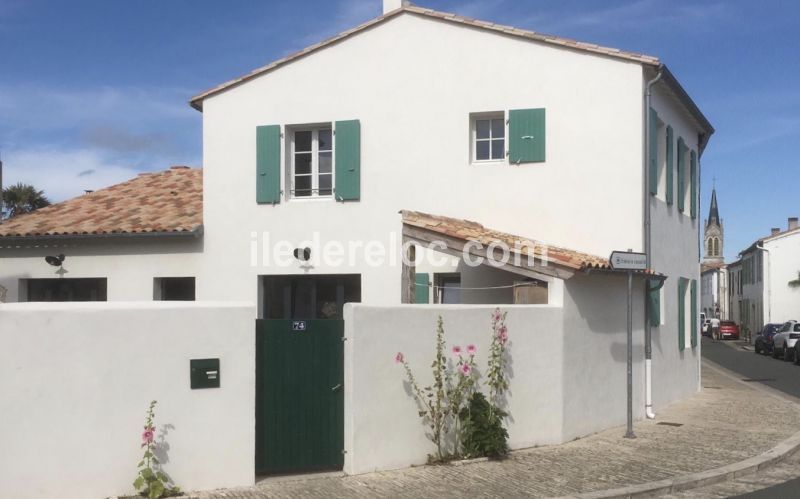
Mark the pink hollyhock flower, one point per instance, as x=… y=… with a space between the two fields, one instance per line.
x=147 y=436
x=503 y=335
x=466 y=369
x=399 y=359
x=471 y=349
x=456 y=351
x=496 y=315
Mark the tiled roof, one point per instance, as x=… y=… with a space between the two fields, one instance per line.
x=197 y=100
x=472 y=231
x=160 y=202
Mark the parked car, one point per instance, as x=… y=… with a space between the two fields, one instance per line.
x=705 y=328
x=785 y=339
x=764 y=343
x=728 y=329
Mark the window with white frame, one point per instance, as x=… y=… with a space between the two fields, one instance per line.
x=312 y=163
x=488 y=137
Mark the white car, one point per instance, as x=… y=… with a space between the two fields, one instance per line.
x=785 y=339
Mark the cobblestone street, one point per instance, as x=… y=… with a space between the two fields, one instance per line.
x=719 y=426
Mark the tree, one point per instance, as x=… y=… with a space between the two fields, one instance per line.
x=23 y=198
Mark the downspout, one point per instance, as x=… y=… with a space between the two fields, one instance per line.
x=766 y=282
x=648 y=344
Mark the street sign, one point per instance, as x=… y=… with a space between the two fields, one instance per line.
x=627 y=260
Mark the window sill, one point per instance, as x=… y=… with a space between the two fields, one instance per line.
x=315 y=199
x=488 y=162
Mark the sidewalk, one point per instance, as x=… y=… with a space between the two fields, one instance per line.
x=721 y=425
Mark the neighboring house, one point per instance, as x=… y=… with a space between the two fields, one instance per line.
x=770 y=279
x=139 y=240
x=714 y=291
x=419 y=127
x=735 y=292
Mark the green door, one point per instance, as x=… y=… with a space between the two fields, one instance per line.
x=299 y=395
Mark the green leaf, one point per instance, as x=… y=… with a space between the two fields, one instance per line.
x=162 y=476
x=138 y=483
x=156 y=490
x=147 y=473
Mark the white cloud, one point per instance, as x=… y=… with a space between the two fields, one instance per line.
x=63 y=174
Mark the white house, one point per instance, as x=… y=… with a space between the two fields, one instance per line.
x=769 y=280
x=322 y=169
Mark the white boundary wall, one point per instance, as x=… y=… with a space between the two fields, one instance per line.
x=76 y=380
x=382 y=430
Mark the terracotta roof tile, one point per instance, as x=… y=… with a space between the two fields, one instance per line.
x=167 y=201
x=468 y=230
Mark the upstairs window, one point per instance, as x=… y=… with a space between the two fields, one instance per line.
x=488 y=138
x=312 y=163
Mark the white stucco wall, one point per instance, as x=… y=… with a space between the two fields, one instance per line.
x=782 y=265
x=566 y=362
x=129 y=264
x=382 y=429
x=76 y=380
x=413 y=82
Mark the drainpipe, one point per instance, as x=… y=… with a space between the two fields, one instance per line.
x=648 y=344
x=766 y=282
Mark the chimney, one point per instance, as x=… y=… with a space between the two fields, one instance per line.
x=391 y=5
x=792 y=223
x=775 y=230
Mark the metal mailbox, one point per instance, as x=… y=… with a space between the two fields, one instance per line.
x=204 y=373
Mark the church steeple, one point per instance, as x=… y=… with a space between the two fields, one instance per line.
x=714 y=234
x=713 y=213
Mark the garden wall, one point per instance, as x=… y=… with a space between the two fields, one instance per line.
x=76 y=380
x=382 y=429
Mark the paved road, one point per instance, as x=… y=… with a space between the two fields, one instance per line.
x=777 y=374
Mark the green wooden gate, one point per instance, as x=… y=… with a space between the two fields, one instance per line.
x=299 y=395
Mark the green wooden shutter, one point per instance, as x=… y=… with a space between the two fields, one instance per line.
x=681 y=313
x=653 y=151
x=348 y=160
x=268 y=164
x=654 y=303
x=422 y=294
x=526 y=135
x=681 y=174
x=670 y=166
x=693 y=183
x=694 y=312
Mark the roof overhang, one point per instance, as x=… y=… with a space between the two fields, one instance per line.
x=23 y=241
x=680 y=94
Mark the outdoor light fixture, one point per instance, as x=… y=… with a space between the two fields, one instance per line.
x=55 y=261
x=302 y=254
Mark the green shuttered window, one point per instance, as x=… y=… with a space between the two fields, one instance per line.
x=682 y=283
x=653 y=151
x=681 y=174
x=526 y=136
x=268 y=164
x=694 y=312
x=654 y=303
x=670 y=166
x=693 y=183
x=422 y=293
x=347 y=162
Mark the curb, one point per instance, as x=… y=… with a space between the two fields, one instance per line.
x=682 y=483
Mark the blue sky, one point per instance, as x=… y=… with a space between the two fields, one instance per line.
x=92 y=92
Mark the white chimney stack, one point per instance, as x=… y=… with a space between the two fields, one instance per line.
x=792 y=223
x=390 y=5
